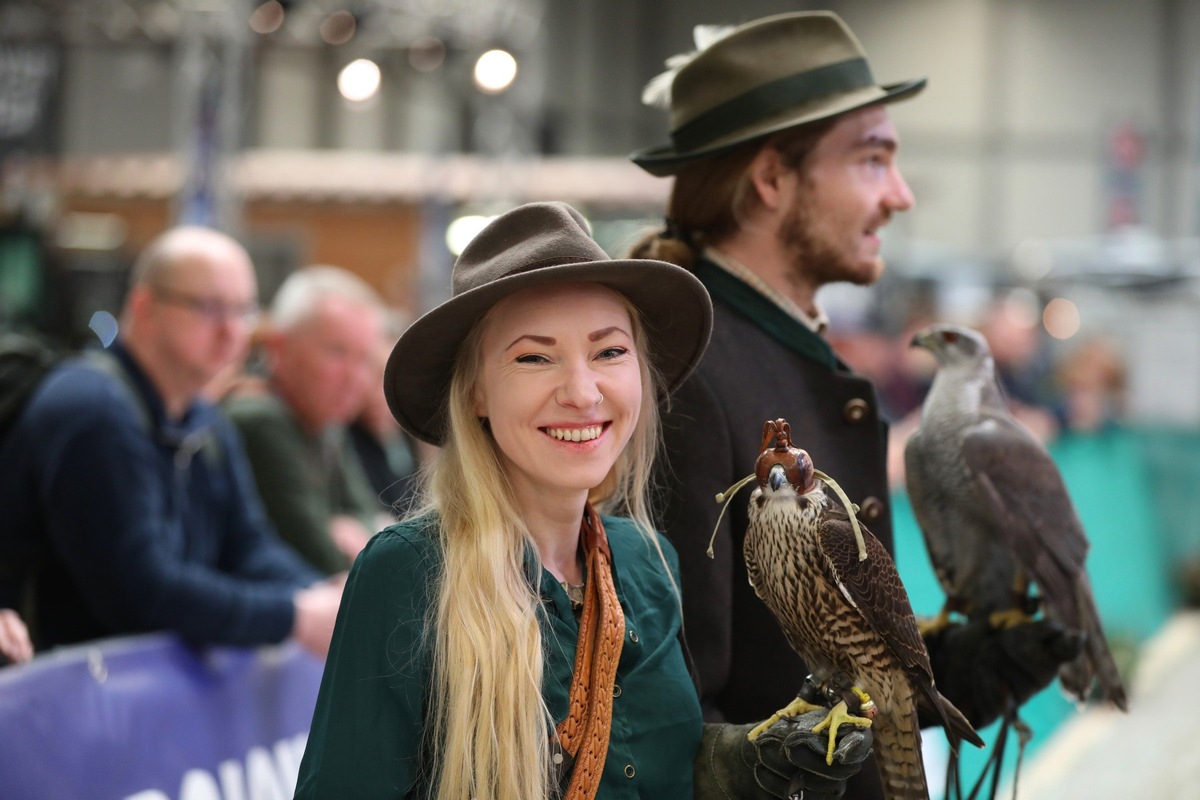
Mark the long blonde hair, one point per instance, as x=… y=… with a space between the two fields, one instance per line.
x=488 y=732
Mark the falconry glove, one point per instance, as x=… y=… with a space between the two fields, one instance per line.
x=980 y=667
x=787 y=760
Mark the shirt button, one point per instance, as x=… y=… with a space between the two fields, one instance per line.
x=633 y=637
x=616 y=690
x=630 y=771
x=855 y=410
x=871 y=509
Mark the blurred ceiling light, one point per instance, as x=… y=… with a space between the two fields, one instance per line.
x=495 y=71
x=426 y=54
x=359 y=80
x=267 y=18
x=1061 y=318
x=461 y=231
x=339 y=27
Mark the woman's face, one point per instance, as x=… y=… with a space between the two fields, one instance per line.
x=561 y=386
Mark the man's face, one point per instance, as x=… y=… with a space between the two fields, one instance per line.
x=203 y=312
x=847 y=190
x=325 y=366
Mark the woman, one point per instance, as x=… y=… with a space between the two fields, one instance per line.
x=507 y=641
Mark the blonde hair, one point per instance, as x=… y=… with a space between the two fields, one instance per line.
x=489 y=730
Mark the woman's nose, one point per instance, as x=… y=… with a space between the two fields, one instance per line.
x=579 y=390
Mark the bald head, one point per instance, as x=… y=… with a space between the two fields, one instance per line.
x=175 y=249
x=190 y=309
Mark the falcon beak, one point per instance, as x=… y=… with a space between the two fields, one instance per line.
x=777 y=477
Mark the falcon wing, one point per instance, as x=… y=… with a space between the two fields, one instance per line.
x=873 y=587
x=1019 y=484
x=929 y=499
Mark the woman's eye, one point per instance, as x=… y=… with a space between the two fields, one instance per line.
x=531 y=358
x=613 y=352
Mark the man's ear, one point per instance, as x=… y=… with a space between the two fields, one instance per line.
x=770 y=178
x=271 y=341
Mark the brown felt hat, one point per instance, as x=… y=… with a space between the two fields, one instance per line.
x=763 y=77
x=535 y=245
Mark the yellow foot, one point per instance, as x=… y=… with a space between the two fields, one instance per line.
x=1009 y=618
x=838 y=716
x=793 y=709
x=928 y=627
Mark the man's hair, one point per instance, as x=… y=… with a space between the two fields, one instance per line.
x=712 y=198
x=299 y=296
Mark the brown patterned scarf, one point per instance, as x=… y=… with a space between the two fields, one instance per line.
x=584 y=733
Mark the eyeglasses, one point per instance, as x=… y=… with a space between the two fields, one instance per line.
x=214 y=311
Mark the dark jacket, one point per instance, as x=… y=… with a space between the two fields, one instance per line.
x=760 y=365
x=146 y=524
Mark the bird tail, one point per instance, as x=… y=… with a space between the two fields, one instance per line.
x=958 y=727
x=1096 y=661
x=897 y=750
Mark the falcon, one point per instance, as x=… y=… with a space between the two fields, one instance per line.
x=838 y=597
x=995 y=512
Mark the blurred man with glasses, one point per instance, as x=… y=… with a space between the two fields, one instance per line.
x=136 y=490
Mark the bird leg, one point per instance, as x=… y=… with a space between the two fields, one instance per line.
x=855 y=708
x=1024 y=607
x=857 y=701
x=840 y=715
x=809 y=698
x=929 y=626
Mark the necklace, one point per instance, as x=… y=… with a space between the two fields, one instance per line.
x=574 y=594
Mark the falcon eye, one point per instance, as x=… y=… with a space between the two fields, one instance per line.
x=950 y=336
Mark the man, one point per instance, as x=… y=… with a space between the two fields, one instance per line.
x=324 y=330
x=784 y=158
x=138 y=488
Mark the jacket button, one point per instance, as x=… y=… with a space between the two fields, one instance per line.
x=855 y=410
x=630 y=771
x=871 y=509
x=616 y=690
x=633 y=637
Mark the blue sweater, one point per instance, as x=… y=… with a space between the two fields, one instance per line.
x=148 y=524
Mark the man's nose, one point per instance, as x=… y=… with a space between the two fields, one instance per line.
x=900 y=196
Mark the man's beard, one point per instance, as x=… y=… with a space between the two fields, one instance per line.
x=815 y=259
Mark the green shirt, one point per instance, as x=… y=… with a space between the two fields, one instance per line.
x=366 y=734
x=304 y=481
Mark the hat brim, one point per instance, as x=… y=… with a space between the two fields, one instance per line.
x=664 y=160
x=674 y=306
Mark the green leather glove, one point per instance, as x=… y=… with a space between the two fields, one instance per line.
x=787 y=760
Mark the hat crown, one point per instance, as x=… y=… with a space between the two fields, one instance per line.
x=530 y=237
x=761 y=78
x=757 y=54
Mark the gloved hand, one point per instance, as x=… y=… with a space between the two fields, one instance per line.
x=786 y=760
x=979 y=667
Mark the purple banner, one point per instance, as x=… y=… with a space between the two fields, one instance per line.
x=149 y=718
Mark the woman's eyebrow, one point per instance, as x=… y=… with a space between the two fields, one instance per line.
x=545 y=341
x=596 y=336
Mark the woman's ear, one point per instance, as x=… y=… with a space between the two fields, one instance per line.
x=480 y=402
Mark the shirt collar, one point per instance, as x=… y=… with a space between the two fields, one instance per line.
x=818 y=323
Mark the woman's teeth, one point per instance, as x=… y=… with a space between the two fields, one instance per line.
x=576 y=434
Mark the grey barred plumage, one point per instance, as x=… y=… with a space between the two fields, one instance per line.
x=995 y=512
x=848 y=618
